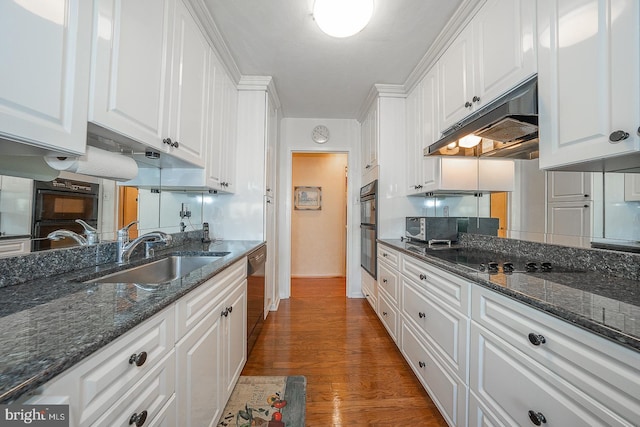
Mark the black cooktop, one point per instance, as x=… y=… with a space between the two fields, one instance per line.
x=484 y=261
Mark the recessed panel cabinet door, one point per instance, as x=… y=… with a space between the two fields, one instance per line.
x=44 y=80
x=129 y=74
x=588 y=84
x=189 y=83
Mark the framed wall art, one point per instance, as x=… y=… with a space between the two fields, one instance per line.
x=307 y=198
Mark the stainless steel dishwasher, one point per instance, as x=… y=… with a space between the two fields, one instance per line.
x=255 y=295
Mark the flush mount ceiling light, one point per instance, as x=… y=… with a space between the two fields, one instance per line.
x=342 y=18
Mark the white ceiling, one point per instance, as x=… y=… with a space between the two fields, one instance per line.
x=318 y=76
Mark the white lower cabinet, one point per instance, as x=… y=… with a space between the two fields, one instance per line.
x=488 y=360
x=14 y=247
x=447 y=390
x=212 y=351
x=199 y=385
x=369 y=288
x=176 y=368
x=525 y=363
x=426 y=314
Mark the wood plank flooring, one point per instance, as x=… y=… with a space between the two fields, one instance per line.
x=356 y=376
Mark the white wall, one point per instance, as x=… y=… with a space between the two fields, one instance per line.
x=296 y=137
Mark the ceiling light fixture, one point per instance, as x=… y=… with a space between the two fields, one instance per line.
x=342 y=18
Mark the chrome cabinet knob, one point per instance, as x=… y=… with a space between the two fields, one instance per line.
x=423 y=277
x=421 y=315
x=618 y=136
x=421 y=364
x=476 y=99
x=467 y=104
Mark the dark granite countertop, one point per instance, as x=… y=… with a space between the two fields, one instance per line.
x=50 y=324
x=606 y=305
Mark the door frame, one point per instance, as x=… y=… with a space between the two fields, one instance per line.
x=353 y=289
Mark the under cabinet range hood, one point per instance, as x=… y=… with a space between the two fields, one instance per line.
x=507 y=127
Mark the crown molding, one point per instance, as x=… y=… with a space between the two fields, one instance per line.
x=208 y=25
x=265 y=83
x=461 y=17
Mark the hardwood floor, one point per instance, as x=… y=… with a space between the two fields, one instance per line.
x=356 y=376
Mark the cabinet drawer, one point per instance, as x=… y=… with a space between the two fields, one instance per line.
x=388 y=255
x=97 y=383
x=150 y=395
x=14 y=247
x=602 y=369
x=451 y=289
x=448 y=392
x=389 y=316
x=516 y=388
x=197 y=304
x=369 y=288
x=444 y=326
x=388 y=280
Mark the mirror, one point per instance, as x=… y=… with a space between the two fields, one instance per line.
x=566 y=208
x=118 y=203
x=611 y=215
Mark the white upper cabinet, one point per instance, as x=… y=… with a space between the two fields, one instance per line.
x=494 y=53
x=150 y=82
x=189 y=89
x=588 y=84
x=370 y=137
x=130 y=69
x=422 y=128
x=414 y=139
x=44 y=82
x=467 y=175
x=456 y=80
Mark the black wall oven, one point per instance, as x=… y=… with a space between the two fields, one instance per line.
x=368 y=227
x=56 y=205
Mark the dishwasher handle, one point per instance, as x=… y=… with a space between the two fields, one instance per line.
x=256 y=261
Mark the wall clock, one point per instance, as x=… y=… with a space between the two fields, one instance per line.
x=320 y=134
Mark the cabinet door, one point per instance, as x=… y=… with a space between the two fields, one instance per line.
x=569 y=186
x=517 y=390
x=230 y=135
x=505 y=51
x=235 y=336
x=455 y=69
x=414 y=139
x=199 y=391
x=130 y=68
x=45 y=78
x=569 y=223
x=631 y=187
x=216 y=113
x=189 y=88
x=447 y=391
x=588 y=85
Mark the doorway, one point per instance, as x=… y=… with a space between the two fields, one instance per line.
x=319 y=215
x=499 y=210
x=128 y=209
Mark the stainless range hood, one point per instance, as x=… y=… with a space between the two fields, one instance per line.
x=508 y=128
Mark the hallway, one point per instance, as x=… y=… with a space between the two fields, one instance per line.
x=356 y=376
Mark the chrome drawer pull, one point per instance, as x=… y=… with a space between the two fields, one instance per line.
x=421 y=364
x=423 y=277
x=421 y=315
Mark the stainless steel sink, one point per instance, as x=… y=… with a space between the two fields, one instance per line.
x=161 y=271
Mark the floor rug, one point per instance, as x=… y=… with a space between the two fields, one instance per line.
x=267 y=402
